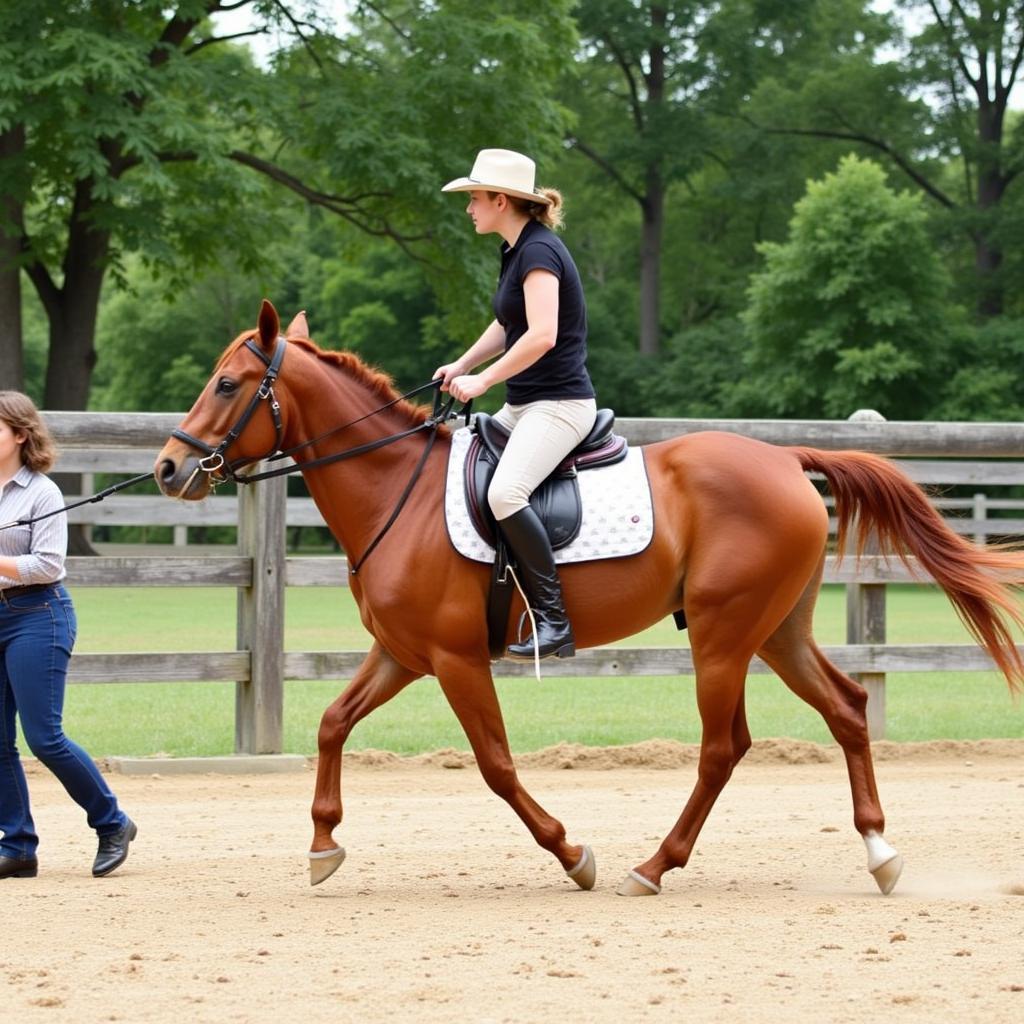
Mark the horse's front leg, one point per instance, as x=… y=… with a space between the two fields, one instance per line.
x=378 y=679
x=469 y=688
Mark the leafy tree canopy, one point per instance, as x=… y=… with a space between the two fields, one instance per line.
x=851 y=310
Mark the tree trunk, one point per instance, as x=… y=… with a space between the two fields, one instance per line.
x=654 y=192
x=650 y=265
x=72 y=312
x=988 y=260
x=12 y=360
x=988 y=254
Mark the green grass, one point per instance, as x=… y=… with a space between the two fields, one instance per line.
x=186 y=719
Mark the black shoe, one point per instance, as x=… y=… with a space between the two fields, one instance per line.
x=18 y=867
x=113 y=849
x=528 y=540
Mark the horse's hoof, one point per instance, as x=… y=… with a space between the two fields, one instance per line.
x=888 y=874
x=634 y=884
x=884 y=863
x=324 y=863
x=585 y=872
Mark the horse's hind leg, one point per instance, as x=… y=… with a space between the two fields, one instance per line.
x=469 y=688
x=725 y=738
x=794 y=656
x=729 y=614
x=377 y=680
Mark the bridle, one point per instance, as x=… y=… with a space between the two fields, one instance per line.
x=214 y=461
x=219 y=469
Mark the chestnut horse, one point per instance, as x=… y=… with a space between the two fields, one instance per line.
x=739 y=547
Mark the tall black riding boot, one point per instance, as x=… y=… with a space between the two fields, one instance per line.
x=526 y=536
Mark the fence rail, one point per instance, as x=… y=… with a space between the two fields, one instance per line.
x=260 y=571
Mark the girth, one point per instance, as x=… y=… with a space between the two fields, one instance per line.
x=557 y=499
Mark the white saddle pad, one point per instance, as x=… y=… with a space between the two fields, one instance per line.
x=618 y=517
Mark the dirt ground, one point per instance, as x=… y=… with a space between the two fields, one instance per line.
x=446 y=911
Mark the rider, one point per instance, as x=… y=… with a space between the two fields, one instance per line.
x=540 y=332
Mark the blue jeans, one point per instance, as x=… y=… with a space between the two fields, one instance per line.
x=37 y=632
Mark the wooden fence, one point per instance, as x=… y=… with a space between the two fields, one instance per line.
x=978 y=455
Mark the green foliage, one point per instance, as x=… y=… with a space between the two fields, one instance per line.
x=851 y=311
x=401 y=102
x=131 y=134
x=157 y=347
x=148 y=136
x=377 y=303
x=986 y=383
x=312 y=177
x=33 y=345
x=700 y=370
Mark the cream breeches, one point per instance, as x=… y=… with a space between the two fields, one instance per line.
x=541 y=435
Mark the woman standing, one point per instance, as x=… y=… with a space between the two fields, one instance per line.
x=37 y=632
x=540 y=337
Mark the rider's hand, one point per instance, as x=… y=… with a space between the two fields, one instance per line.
x=448 y=373
x=467 y=387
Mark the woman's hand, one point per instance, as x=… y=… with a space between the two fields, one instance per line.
x=467 y=387
x=448 y=373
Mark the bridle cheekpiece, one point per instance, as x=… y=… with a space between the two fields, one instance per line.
x=214 y=461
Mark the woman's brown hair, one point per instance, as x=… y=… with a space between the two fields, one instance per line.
x=18 y=411
x=549 y=213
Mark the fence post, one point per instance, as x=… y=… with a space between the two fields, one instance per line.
x=259 y=701
x=865 y=622
x=979 y=513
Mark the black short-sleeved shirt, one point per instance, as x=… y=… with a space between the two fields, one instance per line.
x=561 y=373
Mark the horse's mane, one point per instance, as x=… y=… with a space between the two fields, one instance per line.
x=377 y=382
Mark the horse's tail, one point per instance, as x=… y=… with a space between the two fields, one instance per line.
x=880 y=498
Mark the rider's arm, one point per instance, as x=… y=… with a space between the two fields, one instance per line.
x=540 y=291
x=488 y=345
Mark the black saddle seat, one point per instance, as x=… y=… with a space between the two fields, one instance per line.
x=557 y=499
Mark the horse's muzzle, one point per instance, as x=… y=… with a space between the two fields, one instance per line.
x=185 y=479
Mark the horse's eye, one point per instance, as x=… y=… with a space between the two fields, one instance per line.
x=225 y=386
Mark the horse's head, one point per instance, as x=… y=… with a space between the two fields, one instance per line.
x=237 y=419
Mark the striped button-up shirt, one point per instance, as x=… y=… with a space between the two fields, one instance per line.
x=39 y=550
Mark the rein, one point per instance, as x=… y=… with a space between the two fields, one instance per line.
x=219 y=469
x=105 y=493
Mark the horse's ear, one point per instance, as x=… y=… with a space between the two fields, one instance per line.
x=269 y=324
x=298 y=328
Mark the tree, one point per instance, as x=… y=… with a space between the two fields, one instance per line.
x=986 y=383
x=146 y=132
x=103 y=97
x=850 y=311
x=364 y=295
x=657 y=78
x=946 y=98
x=12 y=369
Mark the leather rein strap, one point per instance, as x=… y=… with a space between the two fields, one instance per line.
x=214 y=461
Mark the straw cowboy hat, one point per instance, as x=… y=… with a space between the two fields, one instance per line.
x=500 y=170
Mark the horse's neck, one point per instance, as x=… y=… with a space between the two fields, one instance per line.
x=357 y=495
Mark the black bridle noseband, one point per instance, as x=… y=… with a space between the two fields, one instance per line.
x=215 y=464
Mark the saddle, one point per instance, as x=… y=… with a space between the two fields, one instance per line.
x=557 y=500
